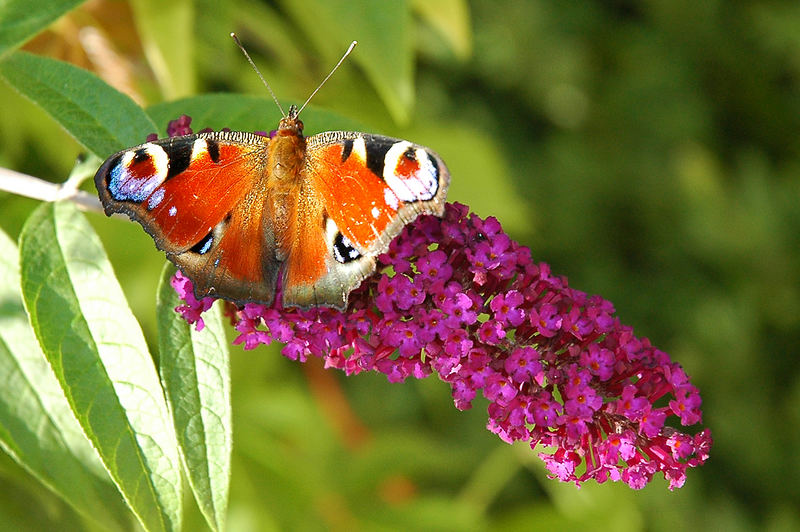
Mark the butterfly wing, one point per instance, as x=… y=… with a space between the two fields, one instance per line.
x=204 y=200
x=361 y=191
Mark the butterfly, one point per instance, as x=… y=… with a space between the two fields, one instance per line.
x=243 y=214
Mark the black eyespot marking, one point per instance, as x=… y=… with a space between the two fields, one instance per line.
x=140 y=155
x=410 y=154
x=435 y=168
x=202 y=247
x=213 y=149
x=347 y=149
x=179 y=154
x=376 y=153
x=343 y=250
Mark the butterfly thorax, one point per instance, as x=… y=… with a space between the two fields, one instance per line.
x=287 y=152
x=287 y=149
x=293 y=202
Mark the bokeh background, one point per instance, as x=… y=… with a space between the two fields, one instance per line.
x=648 y=150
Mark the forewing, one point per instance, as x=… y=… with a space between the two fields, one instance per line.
x=372 y=185
x=202 y=198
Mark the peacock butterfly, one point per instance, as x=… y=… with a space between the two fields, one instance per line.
x=238 y=212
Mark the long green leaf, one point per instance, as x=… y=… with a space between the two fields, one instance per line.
x=37 y=427
x=100 y=358
x=385 y=47
x=22 y=19
x=100 y=117
x=450 y=18
x=195 y=372
x=165 y=29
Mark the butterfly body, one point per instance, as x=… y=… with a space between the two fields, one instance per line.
x=242 y=214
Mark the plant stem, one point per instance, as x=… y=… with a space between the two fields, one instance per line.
x=33 y=187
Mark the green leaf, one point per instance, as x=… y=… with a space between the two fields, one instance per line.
x=385 y=49
x=37 y=428
x=100 y=117
x=22 y=19
x=244 y=113
x=450 y=19
x=100 y=358
x=195 y=372
x=165 y=29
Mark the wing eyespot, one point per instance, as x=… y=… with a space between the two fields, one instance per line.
x=202 y=247
x=139 y=156
x=343 y=250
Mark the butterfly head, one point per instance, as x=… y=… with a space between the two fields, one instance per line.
x=290 y=125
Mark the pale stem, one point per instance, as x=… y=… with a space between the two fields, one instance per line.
x=33 y=187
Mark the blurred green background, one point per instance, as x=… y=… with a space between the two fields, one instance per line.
x=647 y=150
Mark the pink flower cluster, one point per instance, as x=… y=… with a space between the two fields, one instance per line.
x=458 y=298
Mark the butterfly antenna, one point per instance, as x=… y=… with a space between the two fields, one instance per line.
x=264 y=81
x=346 y=53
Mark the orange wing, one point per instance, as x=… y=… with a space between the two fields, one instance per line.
x=362 y=190
x=204 y=200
